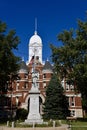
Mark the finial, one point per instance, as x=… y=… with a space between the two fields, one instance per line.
x=35 y=26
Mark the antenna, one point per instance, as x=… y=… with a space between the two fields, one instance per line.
x=35 y=25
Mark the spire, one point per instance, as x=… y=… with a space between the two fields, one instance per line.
x=35 y=26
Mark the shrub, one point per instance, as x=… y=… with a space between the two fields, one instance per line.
x=21 y=114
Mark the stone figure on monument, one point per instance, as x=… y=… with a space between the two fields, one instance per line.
x=34 y=79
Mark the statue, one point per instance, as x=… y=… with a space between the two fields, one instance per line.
x=34 y=78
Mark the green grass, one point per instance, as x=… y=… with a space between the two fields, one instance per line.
x=80 y=128
x=77 y=124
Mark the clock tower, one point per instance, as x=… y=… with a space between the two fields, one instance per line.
x=35 y=48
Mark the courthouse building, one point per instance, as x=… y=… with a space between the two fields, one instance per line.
x=19 y=93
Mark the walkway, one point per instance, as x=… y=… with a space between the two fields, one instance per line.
x=63 y=127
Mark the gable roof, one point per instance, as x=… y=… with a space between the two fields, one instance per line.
x=47 y=66
x=23 y=66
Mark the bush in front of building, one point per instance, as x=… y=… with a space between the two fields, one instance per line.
x=21 y=114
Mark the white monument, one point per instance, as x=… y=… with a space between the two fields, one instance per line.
x=35 y=50
x=34 y=114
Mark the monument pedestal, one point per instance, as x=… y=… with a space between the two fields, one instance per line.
x=34 y=114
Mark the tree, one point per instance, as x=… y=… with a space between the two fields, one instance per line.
x=70 y=59
x=56 y=104
x=8 y=61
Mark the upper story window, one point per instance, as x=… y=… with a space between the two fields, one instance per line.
x=44 y=84
x=26 y=76
x=72 y=113
x=67 y=87
x=71 y=87
x=17 y=86
x=26 y=85
x=44 y=76
x=72 y=101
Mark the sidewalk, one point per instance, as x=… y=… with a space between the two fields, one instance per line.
x=62 y=127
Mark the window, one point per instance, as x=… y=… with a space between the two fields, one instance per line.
x=71 y=87
x=44 y=84
x=26 y=85
x=72 y=101
x=72 y=112
x=44 y=76
x=17 y=86
x=26 y=76
x=67 y=87
x=72 y=104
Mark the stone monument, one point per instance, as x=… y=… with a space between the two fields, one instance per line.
x=34 y=114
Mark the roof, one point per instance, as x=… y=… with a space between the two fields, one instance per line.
x=23 y=66
x=47 y=66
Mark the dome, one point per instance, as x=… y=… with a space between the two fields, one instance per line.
x=35 y=39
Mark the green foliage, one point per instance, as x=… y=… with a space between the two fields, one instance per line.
x=56 y=105
x=21 y=114
x=8 y=61
x=70 y=60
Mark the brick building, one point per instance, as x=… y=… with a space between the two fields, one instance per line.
x=19 y=94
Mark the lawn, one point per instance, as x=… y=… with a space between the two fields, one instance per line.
x=79 y=128
x=79 y=125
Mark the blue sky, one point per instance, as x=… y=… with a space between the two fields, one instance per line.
x=53 y=16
